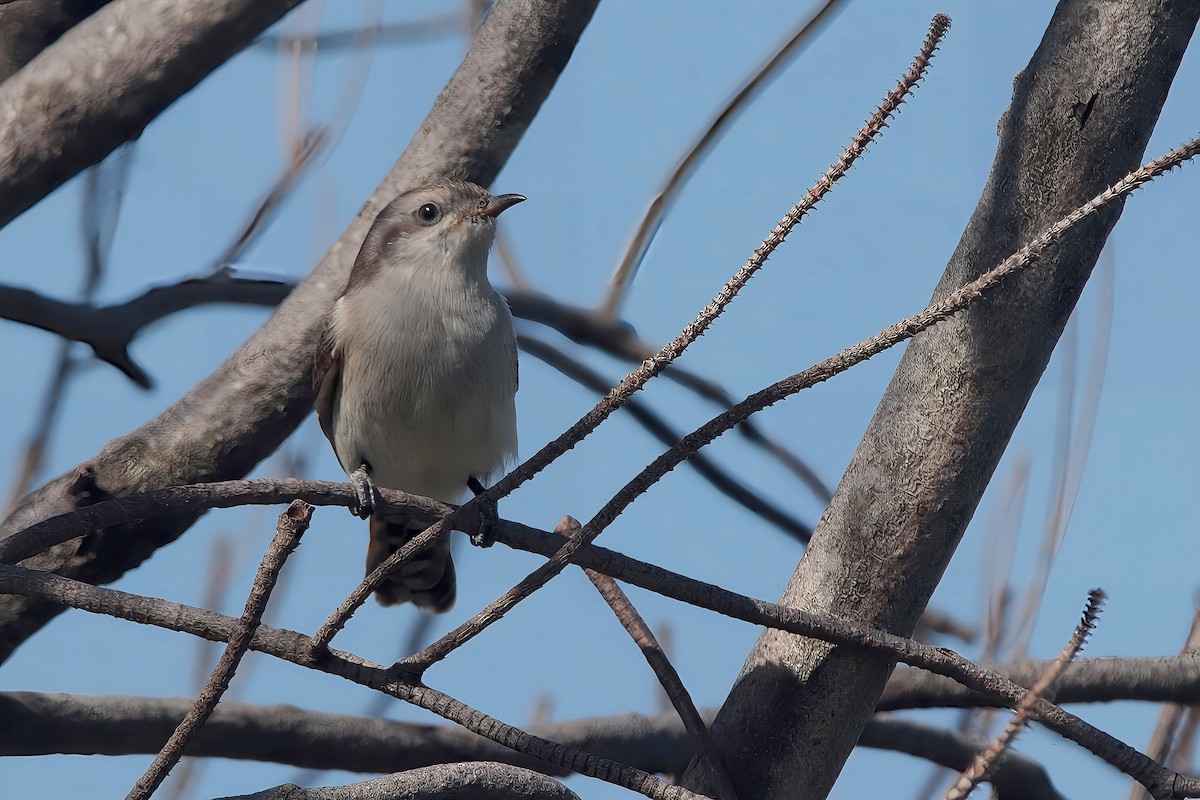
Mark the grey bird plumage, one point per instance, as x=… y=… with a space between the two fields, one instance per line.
x=418 y=371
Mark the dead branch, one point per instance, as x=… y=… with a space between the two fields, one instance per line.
x=656 y=657
x=943 y=423
x=696 y=153
x=110 y=75
x=985 y=762
x=660 y=429
x=244 y=410
x=475 y=781
x=292 y=524
x=110 y=330
x=297 y=648
x=45 y=724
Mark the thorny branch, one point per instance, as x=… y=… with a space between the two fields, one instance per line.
x=292 y=524
x=638 y=378
x=296 y=647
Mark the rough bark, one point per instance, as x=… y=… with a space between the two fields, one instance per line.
x=27 y=27
x=1081 y=115
x=238 y=415
x=105 y=79
x=43 y=724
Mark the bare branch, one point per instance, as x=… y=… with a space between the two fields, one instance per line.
x=652 y=220
x=1163 y=738
x=244 y=410
x=44 y=724
x=292 y=524
x=110 y=330
x=406 y=32
x=650 y=369
x=475 y=781
x=985 y=761
x=1015 y=778
x=658 y=427
x=296 y=648
x=657 y=658
x=916 y=479
x=110 y=75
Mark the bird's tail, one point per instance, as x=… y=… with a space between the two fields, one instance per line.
x=427 y=580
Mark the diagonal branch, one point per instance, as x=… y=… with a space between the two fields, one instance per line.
x=657 y=658
x=916 y=479
x=480 y=780
x=652 y=219
x=292 y=524
x=295 y=647
x=243 y=411
x=110 y=75
x=649 y=369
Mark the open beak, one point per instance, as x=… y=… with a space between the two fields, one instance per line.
x=500 y=203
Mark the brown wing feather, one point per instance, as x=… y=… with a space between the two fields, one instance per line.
x=328 y=376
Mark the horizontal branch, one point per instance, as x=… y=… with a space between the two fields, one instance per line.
x=241 y=413
x=474 y=781
x=45 y=724
x=296 y=647
x=1091 y=680
x=109 y=330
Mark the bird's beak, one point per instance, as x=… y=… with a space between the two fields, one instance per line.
x=500 y=203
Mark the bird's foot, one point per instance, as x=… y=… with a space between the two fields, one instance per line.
x=489 y=516
x=364 y=493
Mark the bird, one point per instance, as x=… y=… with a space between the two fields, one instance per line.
x=417 y=372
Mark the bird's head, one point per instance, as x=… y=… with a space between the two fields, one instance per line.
x=444 y=226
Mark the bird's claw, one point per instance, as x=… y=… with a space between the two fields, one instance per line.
x=364 y=493
x=489 y=515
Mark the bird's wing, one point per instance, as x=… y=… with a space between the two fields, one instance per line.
x=328 y=377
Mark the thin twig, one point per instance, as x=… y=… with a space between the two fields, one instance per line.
x=652 y=220
x=1075 y=441
x=293 y=647
x=658 y=427
x=657 y=658
x=654 y=366
x=904 y=330
x=420 y=30
x=986 y=760
x=1163 y=739
x=104 y=193
x=292 y=524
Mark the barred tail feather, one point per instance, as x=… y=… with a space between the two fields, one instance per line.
x=427 y=581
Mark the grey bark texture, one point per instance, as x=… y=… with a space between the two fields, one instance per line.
x=238 y=415
x=27 y=27
x=105 y=79
x=1081 y=115
x=473 y=781
x=42 y=724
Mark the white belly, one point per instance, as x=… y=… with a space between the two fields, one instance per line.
x=426 y=397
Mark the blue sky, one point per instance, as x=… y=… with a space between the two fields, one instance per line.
x=644 y=79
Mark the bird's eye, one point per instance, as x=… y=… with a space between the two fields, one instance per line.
x=429 y=213
x=483 y=203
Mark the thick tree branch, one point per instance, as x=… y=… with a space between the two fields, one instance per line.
x=799 y=704
x=27 y=27
x=297 y=648
x=1094 y=680
x=244 y=410
x=474 y=781
x=46 y=724
x=105 y=79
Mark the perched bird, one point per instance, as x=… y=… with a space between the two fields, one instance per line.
x=417 y=374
